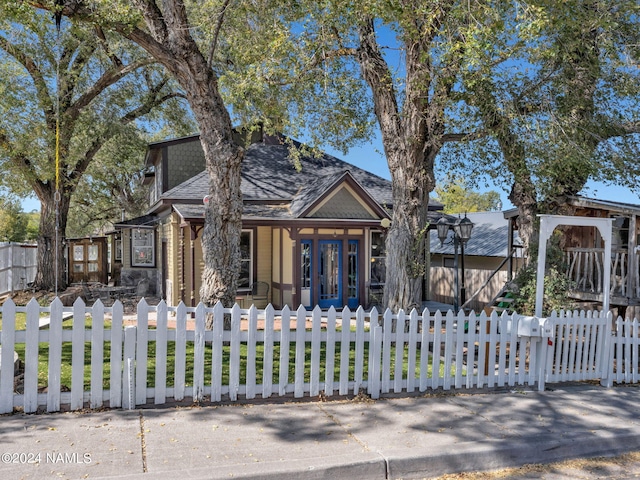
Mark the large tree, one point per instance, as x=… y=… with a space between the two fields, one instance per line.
x=410 y=55
x=65 y=95
x=457 y=196
x=13 y=221
x=567 y=114
x=217 y=50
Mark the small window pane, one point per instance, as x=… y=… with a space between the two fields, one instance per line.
x=93 y=253
x=92 y=267
x=246 y=262
x=118 y=249
x=78 y=268
x=78 y=253
x=142 y=248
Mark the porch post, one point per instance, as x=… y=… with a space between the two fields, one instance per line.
x=546 y=230
x=548 y=223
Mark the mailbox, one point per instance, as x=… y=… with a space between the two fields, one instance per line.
x=547 y=328
x=529 y=327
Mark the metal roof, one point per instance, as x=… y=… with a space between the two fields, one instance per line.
x=488 y=238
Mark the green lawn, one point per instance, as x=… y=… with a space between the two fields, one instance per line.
x=189 y=367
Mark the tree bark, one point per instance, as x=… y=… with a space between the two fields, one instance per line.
x=170 y=42
x=411 y=141
x=51 y=240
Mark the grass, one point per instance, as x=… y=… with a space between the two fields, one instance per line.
x=65 y=380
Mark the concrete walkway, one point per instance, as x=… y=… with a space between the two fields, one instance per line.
x=417 y=437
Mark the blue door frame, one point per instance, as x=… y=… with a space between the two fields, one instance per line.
x=329 y=273
x=323 y=274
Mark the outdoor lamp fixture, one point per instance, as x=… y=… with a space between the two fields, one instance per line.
x=443 y=229
x=462 y=228
x=461 y=234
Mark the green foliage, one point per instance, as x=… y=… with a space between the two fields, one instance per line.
x=457 y=197
x=33 y=226
x=556 y=284
x=112 y=185
x=561 y=108
x=13 y=222
x=107 y=95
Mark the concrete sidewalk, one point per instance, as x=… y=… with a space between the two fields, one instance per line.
x=417 y=437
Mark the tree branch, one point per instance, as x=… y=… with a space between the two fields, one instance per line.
x=109 y=78
x=464 y=137
x=216 y=32
x=117 y=63
x=151 y=102
x=43 y=94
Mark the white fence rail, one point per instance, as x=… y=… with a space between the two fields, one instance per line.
x=18 y=264
x=95 y=359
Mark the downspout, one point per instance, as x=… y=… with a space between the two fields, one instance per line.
x=182 y=266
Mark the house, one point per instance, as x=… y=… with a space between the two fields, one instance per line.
x=490 y=257
x=312 y=235
x=583 y=250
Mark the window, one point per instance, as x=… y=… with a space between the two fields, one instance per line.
x=118 y=255
x=306 y=263
x=448 y=262
x=246 y=259
x=142 y=248
x=378 y=259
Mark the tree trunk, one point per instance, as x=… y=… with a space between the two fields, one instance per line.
x=174 y=47
x=411 y=141
x=407 y=236
x=51 y=241
x=527 y=207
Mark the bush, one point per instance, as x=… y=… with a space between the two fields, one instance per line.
x=556 y=284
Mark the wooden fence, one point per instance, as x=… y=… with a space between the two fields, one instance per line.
x=96 y=357
x=17 y=266
x=443 y=285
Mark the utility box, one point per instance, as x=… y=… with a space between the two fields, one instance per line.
x=529 y=327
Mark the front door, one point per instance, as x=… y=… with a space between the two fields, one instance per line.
x=330 y=273
x=328 y=276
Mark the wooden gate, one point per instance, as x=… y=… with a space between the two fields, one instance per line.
x=88 y=260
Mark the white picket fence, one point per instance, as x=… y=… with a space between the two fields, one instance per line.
x=275 y=353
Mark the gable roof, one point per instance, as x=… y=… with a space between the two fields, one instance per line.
x=271 y=183
x=310 y=195
x=268 y=175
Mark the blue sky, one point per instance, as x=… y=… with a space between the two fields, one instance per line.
x=369 y=157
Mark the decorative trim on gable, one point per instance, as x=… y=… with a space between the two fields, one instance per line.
x=343 y=202
x=346 y=180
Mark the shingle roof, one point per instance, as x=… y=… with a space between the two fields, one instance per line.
x=270 y=176
x=488 y=237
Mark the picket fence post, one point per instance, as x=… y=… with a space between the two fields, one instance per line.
x=330 y=348
x=374 y=367
x=8 y=345
x=97 y=354
x=606 y=355
x=129 y=377
x=198 y=355
x=116 y=365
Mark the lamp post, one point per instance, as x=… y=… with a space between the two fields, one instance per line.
x=461 y=234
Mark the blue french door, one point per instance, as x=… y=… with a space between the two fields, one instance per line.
x=323 y=274
x=330 y=273
x=353 y=276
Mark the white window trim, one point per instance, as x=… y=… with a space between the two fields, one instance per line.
x=251 y=260
x=152 y=247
